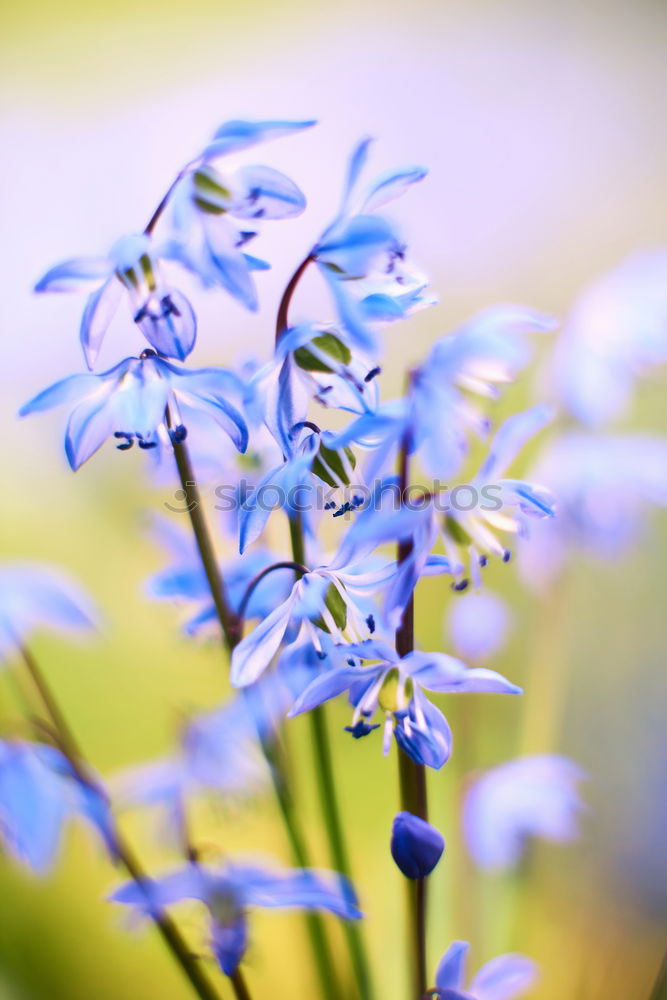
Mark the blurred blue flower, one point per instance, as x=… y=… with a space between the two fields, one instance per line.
x=615 y=333
x=130 y=402
x=228 y=892
x=185 y=581
x=437 y=415
x=204 y=239
x=416 y=846
x=478 y=624
x=395 y=686
x=361 y=256
x=503 y=978
x=39 y=794
x=164 y=315
x=605 y=486
x=466 y=517
x=33 y=596
x=523 y=798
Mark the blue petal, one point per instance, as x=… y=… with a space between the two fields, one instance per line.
x=88 y=427
x=73 y=274
x=228 y=265
x=229 y=942
x=99 y=310
x=68 y=390
x=451 y=970
x=267 y=194
x=392 y=185
x=312 y=890
x=254 y=653
x=431 y=746
x=237 y=135
x=504 y=978
x=328 y=685
x=190 y=882
x=355 y=166
x=225 y=415
x=169 y=324
x=416 y=846
x=512 y=437
x=351 y=247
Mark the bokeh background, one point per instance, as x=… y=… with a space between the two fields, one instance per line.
x=542 y=123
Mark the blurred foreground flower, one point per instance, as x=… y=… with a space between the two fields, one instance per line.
x=527 y=797
x=35 y=596
x=503 y=978
x=230 y=891
x=39 y=793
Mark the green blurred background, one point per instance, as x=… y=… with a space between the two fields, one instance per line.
x=543 y=126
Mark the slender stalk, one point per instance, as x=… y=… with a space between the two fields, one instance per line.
x=337 y=843
x=155 y=217
x=241 y=991
x=225 y=614
x=412 y=776
x=230 y=625
x=282 y=321
x=659 y=991
x=326 y=783
x=70 y=748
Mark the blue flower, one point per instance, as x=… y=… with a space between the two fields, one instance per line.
x=527 y=797
x=228 y=892
x=34 y=596
x=503 y=978
x=606 y=485
x=328 y=602
x=217 y=756
x=39 y=794
x=615 y=333
x=361 y=256
x=466 y=517
x=204 y=238
x=437 y=415
x=164 y=315
x=298 y=483
x=185 y=581
x=130 y=400
x=416 y=846
x=395 y=686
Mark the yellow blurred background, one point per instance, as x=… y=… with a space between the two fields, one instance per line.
x=542 y=123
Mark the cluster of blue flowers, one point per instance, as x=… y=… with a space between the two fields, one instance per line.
x=309 y=624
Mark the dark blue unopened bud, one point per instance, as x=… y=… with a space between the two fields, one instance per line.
x=416 y=846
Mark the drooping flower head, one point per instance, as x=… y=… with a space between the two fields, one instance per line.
x=524 y=798
x=131 y=400
x=228 y=892
x=395 y=686
x=163 y=314
x=416 y=846
x=215 y=211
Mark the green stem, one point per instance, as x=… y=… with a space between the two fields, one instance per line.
x=205 y=546
x=232 y=634
x=412 y=776
x=329 y=806
x=241 y=991
x=659 y=991
x=70 y=748
x=326 y=785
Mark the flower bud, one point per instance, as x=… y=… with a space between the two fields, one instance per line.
x=416 y=846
